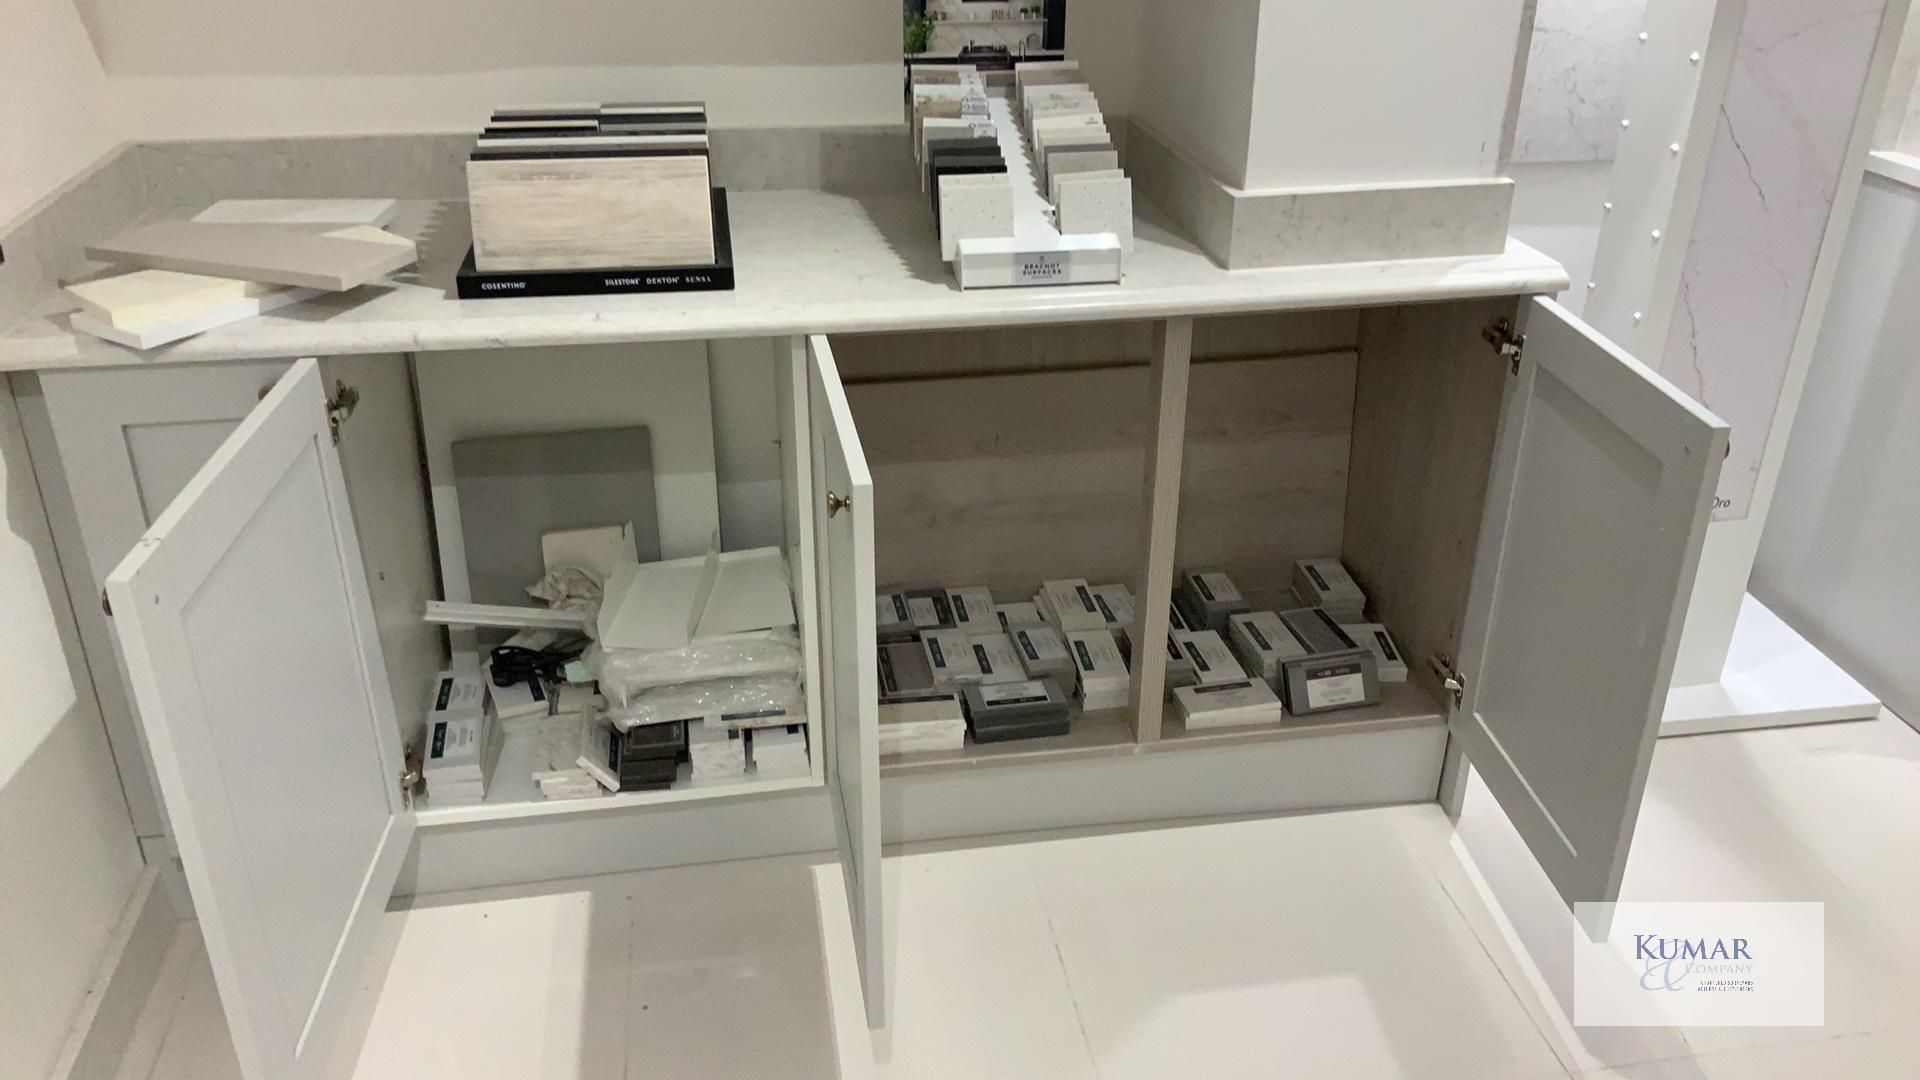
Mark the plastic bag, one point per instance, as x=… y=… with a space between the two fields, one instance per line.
x=622 y=673
x=712 y=697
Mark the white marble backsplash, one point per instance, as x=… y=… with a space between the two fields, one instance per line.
x=1779 y=149
x=1570 y=101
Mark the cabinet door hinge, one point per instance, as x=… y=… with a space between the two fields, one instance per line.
x=411 y=777
x=340 y=406
x=1454 y=682
x=1500 y=334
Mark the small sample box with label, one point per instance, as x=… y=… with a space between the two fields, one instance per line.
x=1212 y=661
x=972 y=609
x=1264 y=643
x=1336 y=673
x=1227 y=704
x=993 y=653
x=1032 y=709
x=1208 y=598
x=1116 y=606
x=1069 y=605
x=1175 y=620
x=1099 y=670
x=1325 y=583
x=904 y=669
x=719 y=754
x=922 y=722
x=950 y=659
x=1386 y=651
x=1043 y=653
x=1018 y=614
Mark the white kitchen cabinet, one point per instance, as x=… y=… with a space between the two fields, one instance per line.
x=1526 y=518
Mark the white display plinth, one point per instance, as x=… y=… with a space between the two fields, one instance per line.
x=1773 y=678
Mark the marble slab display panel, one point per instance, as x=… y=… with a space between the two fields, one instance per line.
x=1570 y=101
x=1773 y=173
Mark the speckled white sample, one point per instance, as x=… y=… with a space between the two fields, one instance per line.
x=974 y=207
x=1097 y=204
x=1065 y=162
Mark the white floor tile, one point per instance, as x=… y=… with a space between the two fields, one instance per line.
x=507 y=988
x=1881 y=1056
x=1725 y=817
x=196 y=1045
x=727 y=977
x=1306 y=946
x=976 y=984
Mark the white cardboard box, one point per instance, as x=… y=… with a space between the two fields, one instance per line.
x=1388 y=658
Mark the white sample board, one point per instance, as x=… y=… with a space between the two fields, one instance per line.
x=663 y=386
x=663 y=605
x=282 y=254
x=1596 y=512
x=248 y=630
x=318 y=213
x=843 y=546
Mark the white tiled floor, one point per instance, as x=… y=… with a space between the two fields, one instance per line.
x=1352 y=945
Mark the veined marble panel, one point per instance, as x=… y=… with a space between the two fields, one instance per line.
x=1576 y=65
x=1772 y=176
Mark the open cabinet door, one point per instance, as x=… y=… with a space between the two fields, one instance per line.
x=1596 y=511
x=247 y=628
x=844 y=550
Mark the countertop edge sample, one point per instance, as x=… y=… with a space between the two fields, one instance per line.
x=808 y=262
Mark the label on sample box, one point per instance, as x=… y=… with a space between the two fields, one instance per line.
x=1335 y=684
x=1216 y=587
x=1040 y=267
x=1030 y=692
x=1385 y=644
x=922 y=611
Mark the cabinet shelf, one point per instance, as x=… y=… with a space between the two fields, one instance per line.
x=513 y=795
x=1109 y=733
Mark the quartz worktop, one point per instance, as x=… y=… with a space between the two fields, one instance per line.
x=806 y=262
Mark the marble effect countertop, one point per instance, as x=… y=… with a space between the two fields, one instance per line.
x=807 y=262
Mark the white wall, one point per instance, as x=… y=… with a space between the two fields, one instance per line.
x=54 y=116
x=1371 y=91
x=1899 y=127
x=184 y=68
x=1837 y=558
x=68 y=862
x=67 y=857
x=1556 y=210
x=1195 y=64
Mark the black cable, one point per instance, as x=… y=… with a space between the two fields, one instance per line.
x=514 y=664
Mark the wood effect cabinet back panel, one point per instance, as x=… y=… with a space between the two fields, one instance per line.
x=1427 y=406
x=1006 y=480
x=941 y=354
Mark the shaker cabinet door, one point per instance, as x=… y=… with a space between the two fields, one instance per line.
x=843 y=547
x=247 y=628
x=1596 y=510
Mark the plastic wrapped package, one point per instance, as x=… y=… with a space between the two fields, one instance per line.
x=710 y=697
x=622 y=673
